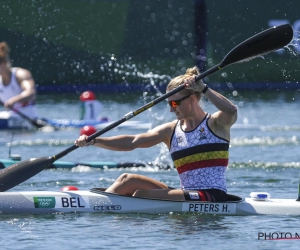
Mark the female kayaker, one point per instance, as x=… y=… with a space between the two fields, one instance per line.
x=198 y=143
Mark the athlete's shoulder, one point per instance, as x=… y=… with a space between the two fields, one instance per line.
x=23 y=74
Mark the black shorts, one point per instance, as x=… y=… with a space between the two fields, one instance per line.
x=205 y=195
x=213 y=195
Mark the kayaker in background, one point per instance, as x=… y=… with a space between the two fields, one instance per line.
x=17 y=86
x=198 y=143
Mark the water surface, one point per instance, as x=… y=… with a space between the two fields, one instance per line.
x=264 y=156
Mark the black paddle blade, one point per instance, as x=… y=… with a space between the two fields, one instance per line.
x=22 y=171
x=264 y=42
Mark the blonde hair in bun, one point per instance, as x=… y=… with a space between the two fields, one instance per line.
x=178 y=80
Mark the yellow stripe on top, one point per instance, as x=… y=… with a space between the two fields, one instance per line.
x=201 y=157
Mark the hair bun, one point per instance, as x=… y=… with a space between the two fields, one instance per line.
x=192 y=71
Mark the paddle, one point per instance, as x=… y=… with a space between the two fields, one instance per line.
x=37 y=123
x=264 y=42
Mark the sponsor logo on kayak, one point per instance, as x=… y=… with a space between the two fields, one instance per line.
x=44 y=202
x=108 y=208
x=211 y=208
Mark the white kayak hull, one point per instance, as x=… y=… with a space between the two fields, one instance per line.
x=97 y=201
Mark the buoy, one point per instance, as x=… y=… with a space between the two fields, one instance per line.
x=69 y=188
x=90 y=107
x=87 y=96
x=87 y=130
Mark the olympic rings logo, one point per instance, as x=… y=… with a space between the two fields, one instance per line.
x=44 y=203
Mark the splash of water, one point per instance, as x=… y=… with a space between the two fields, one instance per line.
x=163 y=157
x=293 y=47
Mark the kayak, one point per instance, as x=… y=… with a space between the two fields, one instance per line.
x=16 y=123
x=21 y=124
x=98 y=201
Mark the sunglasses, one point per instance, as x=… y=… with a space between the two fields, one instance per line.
x=176 y=103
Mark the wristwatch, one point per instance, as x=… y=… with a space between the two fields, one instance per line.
x=205 y=89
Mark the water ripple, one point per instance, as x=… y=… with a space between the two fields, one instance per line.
x=237 y=141
x=263 y=165
x=264 y=141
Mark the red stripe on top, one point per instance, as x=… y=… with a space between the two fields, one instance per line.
x=202 y=196
x=203 y=164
